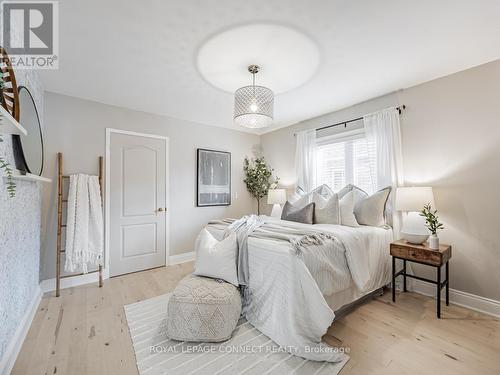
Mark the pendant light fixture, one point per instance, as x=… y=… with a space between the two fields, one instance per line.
x=253 y=105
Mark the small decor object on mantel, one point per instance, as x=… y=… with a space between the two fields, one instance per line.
x=433 y=224
x=214 y=178
x=258 y=178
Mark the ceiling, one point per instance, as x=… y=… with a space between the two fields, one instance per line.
x=286 y=57
x=144 y=54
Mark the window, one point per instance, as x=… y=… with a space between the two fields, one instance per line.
x=343 y=160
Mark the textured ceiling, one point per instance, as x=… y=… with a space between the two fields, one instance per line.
x=143 y=54
x=287 y=58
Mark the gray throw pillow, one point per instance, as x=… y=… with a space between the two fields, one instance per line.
x=326 y=211
x=371 y=210
x=299 y=215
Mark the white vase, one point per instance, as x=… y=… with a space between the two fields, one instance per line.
x=434 y=242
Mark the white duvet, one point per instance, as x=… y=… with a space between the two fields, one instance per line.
x=286 y=293
x=285 y=298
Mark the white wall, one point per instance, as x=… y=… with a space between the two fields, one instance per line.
x=451 y=141
x=76 y=128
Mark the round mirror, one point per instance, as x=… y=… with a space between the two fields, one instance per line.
x=31 y=144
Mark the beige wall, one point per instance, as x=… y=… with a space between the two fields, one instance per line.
x=76 y=128
x=451 y=141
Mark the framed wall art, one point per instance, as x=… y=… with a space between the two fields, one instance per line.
x=213 y=178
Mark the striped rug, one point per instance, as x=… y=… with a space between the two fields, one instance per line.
x=247 y=352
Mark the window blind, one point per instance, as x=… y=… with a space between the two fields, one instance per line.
x=345 y=160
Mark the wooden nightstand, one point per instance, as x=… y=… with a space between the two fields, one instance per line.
x=422 y=254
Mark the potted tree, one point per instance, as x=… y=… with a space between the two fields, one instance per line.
x=258 y=178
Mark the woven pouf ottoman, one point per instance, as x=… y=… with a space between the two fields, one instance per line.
x=203 y=309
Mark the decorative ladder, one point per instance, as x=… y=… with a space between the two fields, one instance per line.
x=60 y=225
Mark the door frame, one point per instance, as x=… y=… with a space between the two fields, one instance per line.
x=107 y=159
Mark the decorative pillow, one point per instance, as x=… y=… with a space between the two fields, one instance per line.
x=297 y=194
x=299 y=215
x=346 y=189
x=359 y=194
x=323 y=190
x=216 y=259
x=350 y=187
x=326 y=211
x=347 y=210
x=301 y=201
x=371 y=210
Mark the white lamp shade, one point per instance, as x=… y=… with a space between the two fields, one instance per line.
x=276 y=196
x=412 y=199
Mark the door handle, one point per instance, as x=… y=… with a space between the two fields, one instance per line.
x=160 y=209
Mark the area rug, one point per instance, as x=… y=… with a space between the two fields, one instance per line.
x=247 y=352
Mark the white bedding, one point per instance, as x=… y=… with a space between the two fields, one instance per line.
x=291 y=298
x=331 y=277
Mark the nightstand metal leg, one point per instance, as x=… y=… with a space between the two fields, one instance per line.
x=447 y=284
x=393 y=279
x=439 y=292
x=404 y=275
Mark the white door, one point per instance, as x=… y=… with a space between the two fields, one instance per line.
x=137 y=203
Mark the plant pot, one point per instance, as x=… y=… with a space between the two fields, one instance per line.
x=434 y=242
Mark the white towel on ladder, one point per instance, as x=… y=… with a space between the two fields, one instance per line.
x=84 y=226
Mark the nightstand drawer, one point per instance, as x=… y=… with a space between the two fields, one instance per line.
x=420 y=254
x=399 y=252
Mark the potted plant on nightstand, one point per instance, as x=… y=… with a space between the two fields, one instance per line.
x=433 y=224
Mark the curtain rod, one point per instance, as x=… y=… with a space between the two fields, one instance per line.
x=400 y=109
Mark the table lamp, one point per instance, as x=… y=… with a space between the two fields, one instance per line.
x=276 y=197
x=412 y=200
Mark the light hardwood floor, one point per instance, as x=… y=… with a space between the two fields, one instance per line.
x=85 y=332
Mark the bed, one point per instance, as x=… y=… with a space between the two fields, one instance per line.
x=292 y=297
x=339 y=289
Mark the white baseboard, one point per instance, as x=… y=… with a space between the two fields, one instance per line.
x=464 y=299
x=16 y=342
x=50 y=284
x=181 y=258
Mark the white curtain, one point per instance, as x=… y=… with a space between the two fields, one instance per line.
x=383 y=134
x=305 y=159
